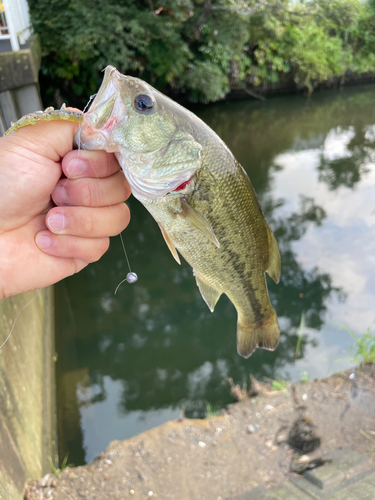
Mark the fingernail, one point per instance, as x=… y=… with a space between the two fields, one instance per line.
x=43 y=241
x=59 y=195
x=56 y=222
x=75 y=167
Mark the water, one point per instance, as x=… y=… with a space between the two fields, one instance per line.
x=130 y=361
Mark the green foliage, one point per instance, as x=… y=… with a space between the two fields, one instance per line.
x=200 y=48
x=279 y=385
x=206 y=82
x=211 y=411
x=364 y=40
x=305 y=377
x=363 y=350
x=64 y=465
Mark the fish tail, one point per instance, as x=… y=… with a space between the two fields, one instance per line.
x=265 y=334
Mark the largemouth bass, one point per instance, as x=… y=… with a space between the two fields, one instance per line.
x=197 y=192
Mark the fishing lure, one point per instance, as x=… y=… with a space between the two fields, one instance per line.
x=48 y=114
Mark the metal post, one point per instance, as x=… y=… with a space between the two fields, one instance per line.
x=10 y=22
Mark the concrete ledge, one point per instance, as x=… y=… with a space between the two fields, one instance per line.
x=27 y=409
x=21 y=68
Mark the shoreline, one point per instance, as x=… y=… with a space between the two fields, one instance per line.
x=219 y=457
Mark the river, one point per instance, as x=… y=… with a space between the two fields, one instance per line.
x=130 y=361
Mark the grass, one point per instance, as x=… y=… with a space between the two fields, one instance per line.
x=305 y=377
x=56 y=471
x=279 y=385
x=363 y=349
x=211 y=410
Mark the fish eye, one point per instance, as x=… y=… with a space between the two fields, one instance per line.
x=143 y=103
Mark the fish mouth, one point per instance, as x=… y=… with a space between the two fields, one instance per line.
x=106 y=113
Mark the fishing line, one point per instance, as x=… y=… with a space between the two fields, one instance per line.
x=131 y=277
x=92 y=97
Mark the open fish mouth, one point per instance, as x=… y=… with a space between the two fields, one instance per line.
x=106 y=113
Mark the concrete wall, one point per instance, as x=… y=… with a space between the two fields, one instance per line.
x=27 y=377
x=19 y=88
x=27 y=391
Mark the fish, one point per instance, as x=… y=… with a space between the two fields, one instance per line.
x=195 y=189
x=197 y=192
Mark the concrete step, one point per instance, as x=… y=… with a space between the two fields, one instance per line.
x=346 y=467
x=258 y=493
x=289 y=491
x=346 y=476
x=365 y=481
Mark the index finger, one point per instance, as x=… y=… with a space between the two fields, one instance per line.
x=96 y=164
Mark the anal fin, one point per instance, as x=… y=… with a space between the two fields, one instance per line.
x=210 y=294
x=274 y=263
x=198 y=221
x=169 y=243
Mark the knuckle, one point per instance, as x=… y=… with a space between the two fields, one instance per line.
x=72 y=246
x=88 y=197
x=90 y=225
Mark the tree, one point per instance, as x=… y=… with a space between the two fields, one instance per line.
x=200 y=49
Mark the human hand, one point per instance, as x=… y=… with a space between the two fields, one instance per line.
x=51 y=226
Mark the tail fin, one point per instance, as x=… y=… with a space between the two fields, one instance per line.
x=265 y=334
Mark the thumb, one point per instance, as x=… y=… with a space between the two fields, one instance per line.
x=52 y=139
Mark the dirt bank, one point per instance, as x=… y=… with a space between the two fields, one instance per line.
x=222 y=456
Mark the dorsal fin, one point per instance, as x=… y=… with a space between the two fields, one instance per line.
x=210 y=294
x=274 y=264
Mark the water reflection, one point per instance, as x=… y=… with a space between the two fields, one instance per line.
x=130 y=361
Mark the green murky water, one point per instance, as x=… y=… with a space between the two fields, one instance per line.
x=132 y=361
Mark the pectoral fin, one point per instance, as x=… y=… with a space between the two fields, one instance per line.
x=169 y=243
x=274 y=263
x=198 y=221
x=210 y=295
